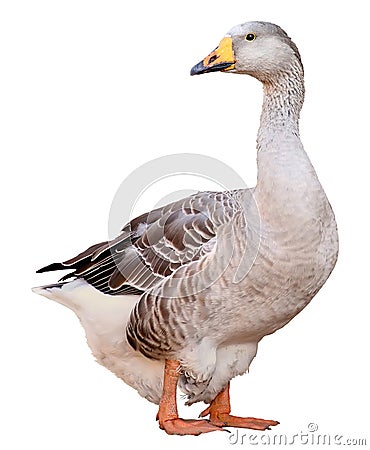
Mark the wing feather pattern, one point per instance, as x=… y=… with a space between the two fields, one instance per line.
x=153 y=245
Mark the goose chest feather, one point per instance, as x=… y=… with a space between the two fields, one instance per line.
x=185 y=293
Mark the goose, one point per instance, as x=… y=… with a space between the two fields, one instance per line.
x=184 y=294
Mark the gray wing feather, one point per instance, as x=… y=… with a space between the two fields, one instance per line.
x=153 y=245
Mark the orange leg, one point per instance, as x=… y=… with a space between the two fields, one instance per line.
x=167 y=415
x=219 y=414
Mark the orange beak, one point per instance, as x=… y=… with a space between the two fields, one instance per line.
x=221 y=59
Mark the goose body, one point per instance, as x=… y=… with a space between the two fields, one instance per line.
x=202 y=280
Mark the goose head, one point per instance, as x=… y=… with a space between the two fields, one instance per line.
x=260 y=49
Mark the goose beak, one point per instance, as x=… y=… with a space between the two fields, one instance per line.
x=221 y=59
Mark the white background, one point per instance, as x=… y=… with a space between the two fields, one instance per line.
x=90 y=90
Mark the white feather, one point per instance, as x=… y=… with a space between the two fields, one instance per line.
x=104 y=319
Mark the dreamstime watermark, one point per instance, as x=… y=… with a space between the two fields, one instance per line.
x=233 y=210
x=310 y=437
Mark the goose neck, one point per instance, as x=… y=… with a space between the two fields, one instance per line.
x=282 y=103
x=285 y=174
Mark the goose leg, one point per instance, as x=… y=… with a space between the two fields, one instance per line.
x=167 y=415
x=219 y=414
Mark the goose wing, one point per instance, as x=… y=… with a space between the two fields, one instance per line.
x=153 y=245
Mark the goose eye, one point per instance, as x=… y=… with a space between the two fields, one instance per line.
x=250 y=37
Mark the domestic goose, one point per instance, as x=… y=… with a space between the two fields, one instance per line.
x=185 y=293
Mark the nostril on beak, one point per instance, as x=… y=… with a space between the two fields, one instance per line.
x=212 y=59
